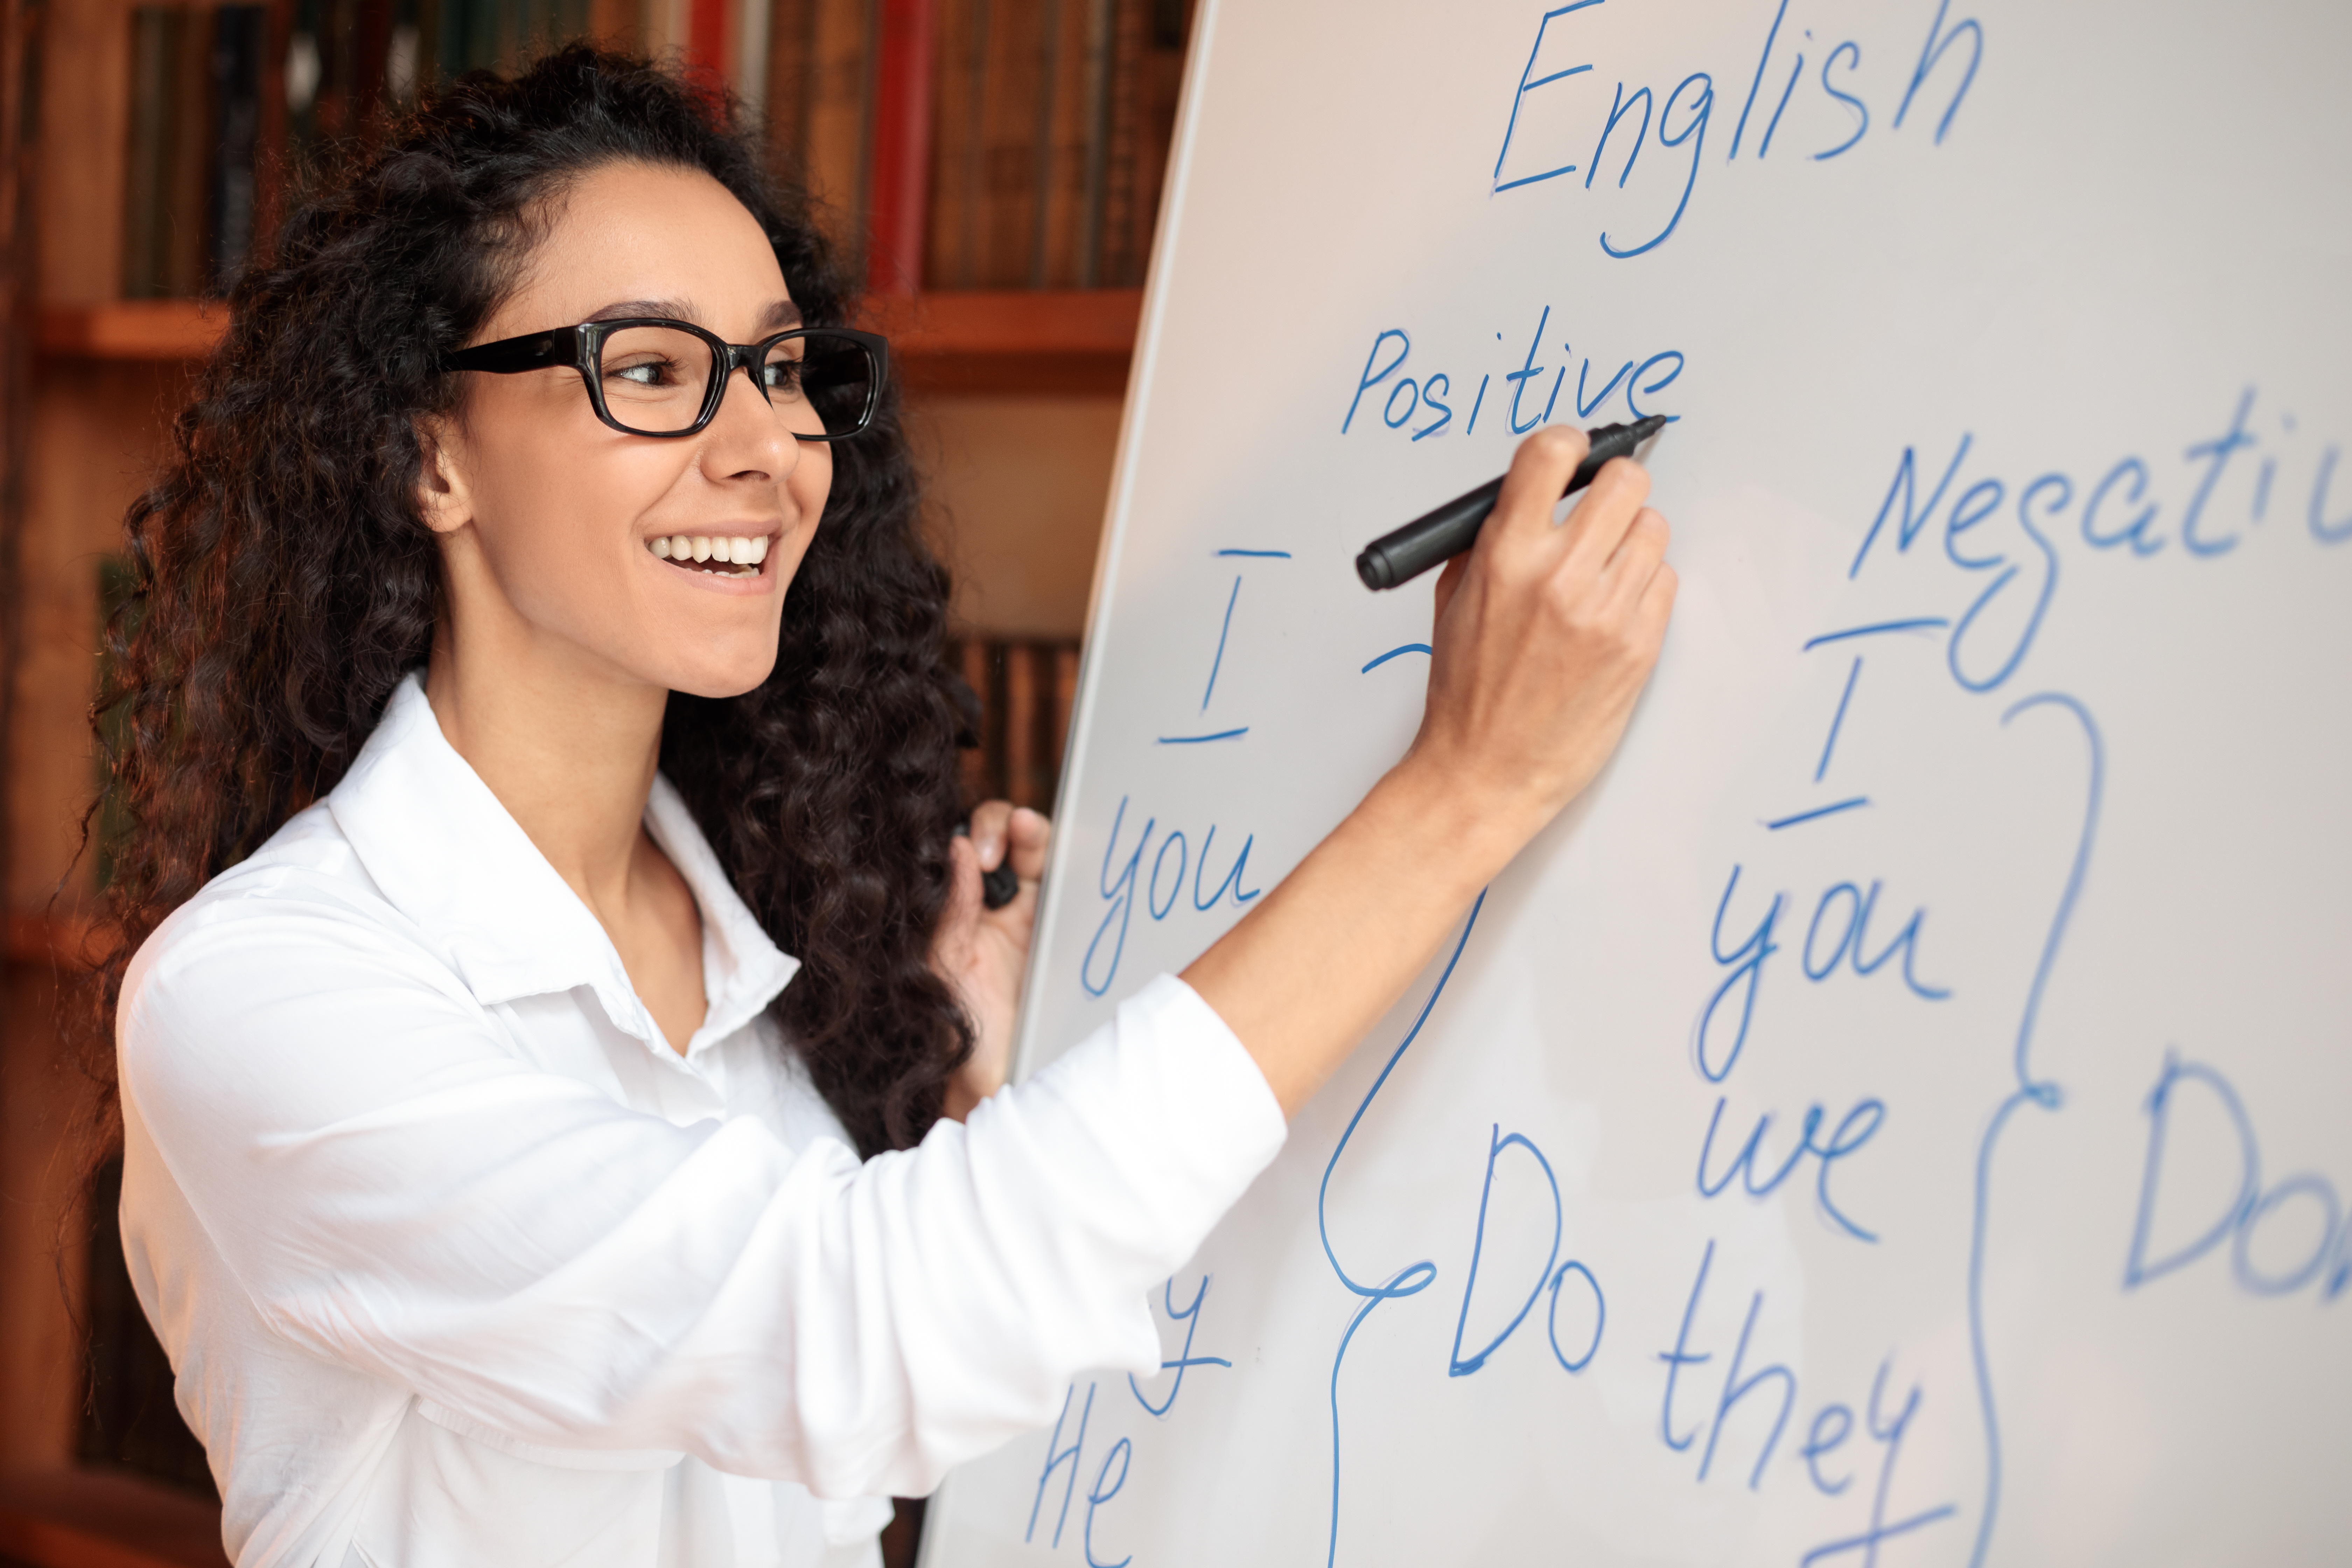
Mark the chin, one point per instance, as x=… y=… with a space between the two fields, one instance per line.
x=705 y=677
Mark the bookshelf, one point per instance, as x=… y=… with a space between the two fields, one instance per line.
x=903 y=116
x=971 y=342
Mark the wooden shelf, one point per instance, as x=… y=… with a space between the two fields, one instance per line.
x=94 y=1519
x=1014 y=340
x=131 y=330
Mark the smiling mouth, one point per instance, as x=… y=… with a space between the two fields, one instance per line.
x=716 y=555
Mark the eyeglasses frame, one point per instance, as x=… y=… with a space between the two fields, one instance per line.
x=542 y=350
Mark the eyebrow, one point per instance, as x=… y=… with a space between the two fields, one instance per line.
x=780 y=315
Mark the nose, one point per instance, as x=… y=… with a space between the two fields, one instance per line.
x=799 y=415
x=748 y=362
x=743 y=441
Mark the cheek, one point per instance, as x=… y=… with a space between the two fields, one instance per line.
x=557 y=507
x=810 y=482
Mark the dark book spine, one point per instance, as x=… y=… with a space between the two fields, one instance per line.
x=142 y=181
x=1102 y=27
x=1058 y=260
x=238 y=34
x=839 y=149
x=956 y=147
x=1116 y=264
x=1015 y=103
x=187 y=153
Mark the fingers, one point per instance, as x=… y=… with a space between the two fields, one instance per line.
x=957 y=920
x=1539 y=473
x=1626 y=577
x=1538 y=476
x=1598 y=526
x=1657 y=605
x=1449 y=580
x=989 y=822
x=1027 y=835
x=1000 y=829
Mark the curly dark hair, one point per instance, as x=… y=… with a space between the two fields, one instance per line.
x=283 y=581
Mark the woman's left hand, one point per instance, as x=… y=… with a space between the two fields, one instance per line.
x=984 y=952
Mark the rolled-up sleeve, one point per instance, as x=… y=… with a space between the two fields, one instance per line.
x=397 y=1191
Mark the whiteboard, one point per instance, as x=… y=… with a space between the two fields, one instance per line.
x=1899 y=1114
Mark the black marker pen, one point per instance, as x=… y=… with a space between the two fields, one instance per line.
x=1439 y=536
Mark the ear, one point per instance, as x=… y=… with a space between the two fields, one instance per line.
x=443 y=498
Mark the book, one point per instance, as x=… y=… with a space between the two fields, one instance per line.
x=1115 y=264
x=1148 y=81
x=953 y=233
x=1016 y=112
x=1025 y=691
x=142 y=181
x=1052 y=127
x=239 y=34
x=188 y=161
x=819 y=108
x=1066 y=209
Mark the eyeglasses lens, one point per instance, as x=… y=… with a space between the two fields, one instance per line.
x=655 y=380
x=832 y=376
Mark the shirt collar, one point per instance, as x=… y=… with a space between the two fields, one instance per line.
x=448 y=857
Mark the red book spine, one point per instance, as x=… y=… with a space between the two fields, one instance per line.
x=707 y=54
x=902 y=144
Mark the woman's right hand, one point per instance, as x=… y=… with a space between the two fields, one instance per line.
x=1543 y=639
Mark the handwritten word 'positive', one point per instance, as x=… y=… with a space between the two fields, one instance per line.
x=1417 y=403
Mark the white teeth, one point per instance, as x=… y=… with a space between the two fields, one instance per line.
x=717 y=550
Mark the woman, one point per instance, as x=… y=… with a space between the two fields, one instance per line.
x=511 y=686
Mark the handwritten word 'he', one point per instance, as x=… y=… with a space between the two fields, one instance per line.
x=1121 y=1455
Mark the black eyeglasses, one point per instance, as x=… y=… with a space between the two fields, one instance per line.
x=649 y=375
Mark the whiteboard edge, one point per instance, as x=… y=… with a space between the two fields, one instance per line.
x=1115 y=515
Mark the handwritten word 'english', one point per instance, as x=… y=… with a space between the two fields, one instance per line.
x=1553 y=115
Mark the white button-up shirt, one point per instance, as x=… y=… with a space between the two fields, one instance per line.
x=458 y=1263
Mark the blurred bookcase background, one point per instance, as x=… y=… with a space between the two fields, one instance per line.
x=992 y=168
